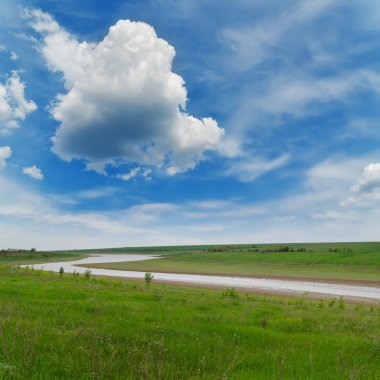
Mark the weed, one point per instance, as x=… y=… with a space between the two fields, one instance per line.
x=332 y=302
x=264 y=323
x=87 y=274
x=230 y=293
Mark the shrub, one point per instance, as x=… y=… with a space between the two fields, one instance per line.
x=61 y=271
x=148 y=278
x=87 y=274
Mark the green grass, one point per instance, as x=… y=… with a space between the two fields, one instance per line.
x=28 y=257
x=72 y=328
x=354 y=266
x=317 y=247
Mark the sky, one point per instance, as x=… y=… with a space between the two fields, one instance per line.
x=162 y=122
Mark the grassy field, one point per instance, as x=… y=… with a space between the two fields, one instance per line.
x=54 y=327
x=324 y=261
x=327 y=261
x=29 y=257
x=317 y=247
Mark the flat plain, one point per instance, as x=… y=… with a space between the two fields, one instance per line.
x=350 y=262
x=73 y=326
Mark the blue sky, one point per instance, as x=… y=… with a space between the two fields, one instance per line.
x=161 y=122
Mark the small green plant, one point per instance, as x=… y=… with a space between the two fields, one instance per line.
x=332 y=303
x=341 y=304
x=148 y=278
x=87 y=274
x=61 y=271
x=230 y=293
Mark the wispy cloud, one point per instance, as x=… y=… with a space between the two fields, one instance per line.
x=253 y=44
x=293 y=71
x=247 y=170
x=133 y=173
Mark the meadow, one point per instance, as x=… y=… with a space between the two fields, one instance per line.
x=70 y=327
x=18 y=257
x=351 y=262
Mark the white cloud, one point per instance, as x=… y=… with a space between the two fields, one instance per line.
x=248 y=170
x=252 y=45
x=5 y=153
x=77 y=197
x=147 y=174
x=34 y=172
x=130 y=175
x=335 y=172
x=367 y=188
x=13 y=105
x=293 y=94
x=40 y=222
x=14 y=56
x=217 y=210
x=96 y=193
x=363 y=127
x=369 y=180
x=323 y=197
x=298 y=95
x=296 y=67
x=123 y=101
x=325 y=186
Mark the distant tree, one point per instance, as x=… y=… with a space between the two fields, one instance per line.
x=61 y=271
x=33 y=250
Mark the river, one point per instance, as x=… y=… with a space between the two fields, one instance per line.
x=262 y=284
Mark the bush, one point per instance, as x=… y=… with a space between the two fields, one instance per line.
x=148 y=278
x=87 y=274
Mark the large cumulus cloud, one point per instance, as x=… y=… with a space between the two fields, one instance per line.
x=123 y=102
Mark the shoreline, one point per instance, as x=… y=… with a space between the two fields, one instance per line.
x=370 y=283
